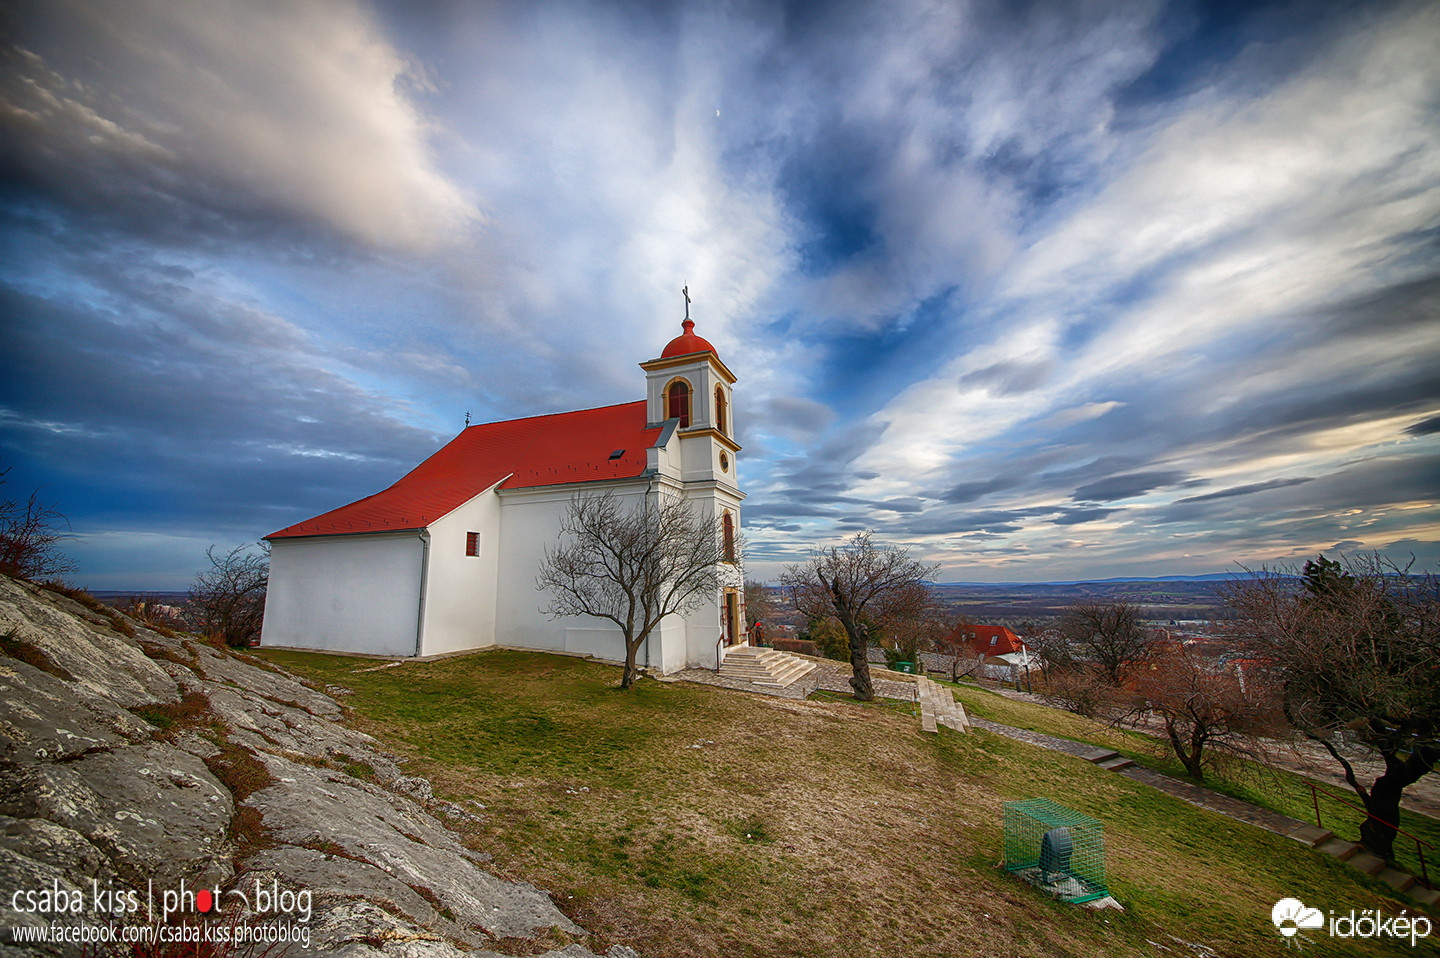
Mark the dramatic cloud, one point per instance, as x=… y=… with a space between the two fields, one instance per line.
x=1058 y=291
x=165 y=118
x=1247 y=489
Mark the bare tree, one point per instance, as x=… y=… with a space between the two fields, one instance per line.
x=855 y=582
x=1352 y=650
x=1107 y=636
x=633 y=566
x=912 y=619
x=958 y=644
x=1203 y=708
x=759 y=604
x=1078 y=688
x=227 y=600
x=30 y=532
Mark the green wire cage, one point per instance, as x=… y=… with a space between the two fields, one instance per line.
x=1056 y=849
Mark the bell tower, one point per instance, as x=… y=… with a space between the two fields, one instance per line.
x=688 y=392
x=690 y=385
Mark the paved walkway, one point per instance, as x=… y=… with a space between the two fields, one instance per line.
x=828 y=675
x=834 y=676
x=799 y=689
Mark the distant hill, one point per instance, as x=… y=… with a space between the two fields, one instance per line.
x=1207 y=577
x=1177 y=597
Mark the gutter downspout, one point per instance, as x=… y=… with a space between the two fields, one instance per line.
x=424 y=584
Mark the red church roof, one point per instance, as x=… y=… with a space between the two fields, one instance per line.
x=539 y=451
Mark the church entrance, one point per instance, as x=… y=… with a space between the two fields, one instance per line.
x=734 y=633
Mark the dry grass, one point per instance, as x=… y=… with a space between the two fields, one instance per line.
x=692 y=821
x=115 y=620
x=239 y=770
x=193 y=709
x=28 y=652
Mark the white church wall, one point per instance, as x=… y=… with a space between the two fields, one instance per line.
x=346 y=593
x=606 y=644
x=460 y=590
x=529 y=522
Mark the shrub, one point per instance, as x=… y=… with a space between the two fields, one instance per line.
x=227 y=600
x=30 y=533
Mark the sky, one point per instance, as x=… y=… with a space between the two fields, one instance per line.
x=1040 y=291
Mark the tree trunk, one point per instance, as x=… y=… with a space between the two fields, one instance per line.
x=859 y=664
x=1190 y=758
x=1383 y=800
x=631 y=673
x=860 y=669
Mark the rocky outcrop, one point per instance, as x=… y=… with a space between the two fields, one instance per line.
x=132 y=760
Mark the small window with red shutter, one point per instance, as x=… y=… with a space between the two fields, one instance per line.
x=472 y=543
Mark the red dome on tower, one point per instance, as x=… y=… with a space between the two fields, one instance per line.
x=687 y=342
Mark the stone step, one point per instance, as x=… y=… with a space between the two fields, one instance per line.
x=924 y=692
x=1098 y=755
x=1115 y=764
x=1367 y=863
x=938 y=707
x=764 y=667
x=1426 y=896
x=1339 y=848
x=1311 y=836
x=952 y=715
x=787 y=675
x=1396 y=879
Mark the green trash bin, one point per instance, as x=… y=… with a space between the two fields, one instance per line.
x=907 y=667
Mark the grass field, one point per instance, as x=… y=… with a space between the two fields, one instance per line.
x=690 y=821
x=1282 y=791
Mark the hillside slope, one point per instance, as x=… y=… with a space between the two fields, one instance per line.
x=135 y=762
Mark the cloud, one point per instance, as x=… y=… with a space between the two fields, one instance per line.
x=1071 y=517
x=1047 y=261
x=1425 y=427
x=316 y=126
x=793 y=417
x=1126 y=486
x=1248 y=489
x=1008 y=377
x=978 y=489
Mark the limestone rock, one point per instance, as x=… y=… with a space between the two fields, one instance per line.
x=417 y=788
x=285 y=728
x=90 y=791
x=309 y=806
x=103 y=662
x=43 y=720
x=272 y=685
x=154 y=809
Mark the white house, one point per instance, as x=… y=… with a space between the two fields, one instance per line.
x=446 y=559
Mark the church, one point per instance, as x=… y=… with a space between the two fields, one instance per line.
x=446 y=559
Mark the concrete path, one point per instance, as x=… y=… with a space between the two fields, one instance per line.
x=828 y=675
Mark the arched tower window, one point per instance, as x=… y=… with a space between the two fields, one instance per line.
x=678 y=401
x=727 y=524
x=720 y=409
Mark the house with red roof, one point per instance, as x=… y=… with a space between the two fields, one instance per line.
x=991 y=641
x=446 y=559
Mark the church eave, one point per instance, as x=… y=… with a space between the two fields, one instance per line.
x=689 y=359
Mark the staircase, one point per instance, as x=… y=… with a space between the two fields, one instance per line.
x=764 y=667
x=1357 y=857
x=938 y=707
